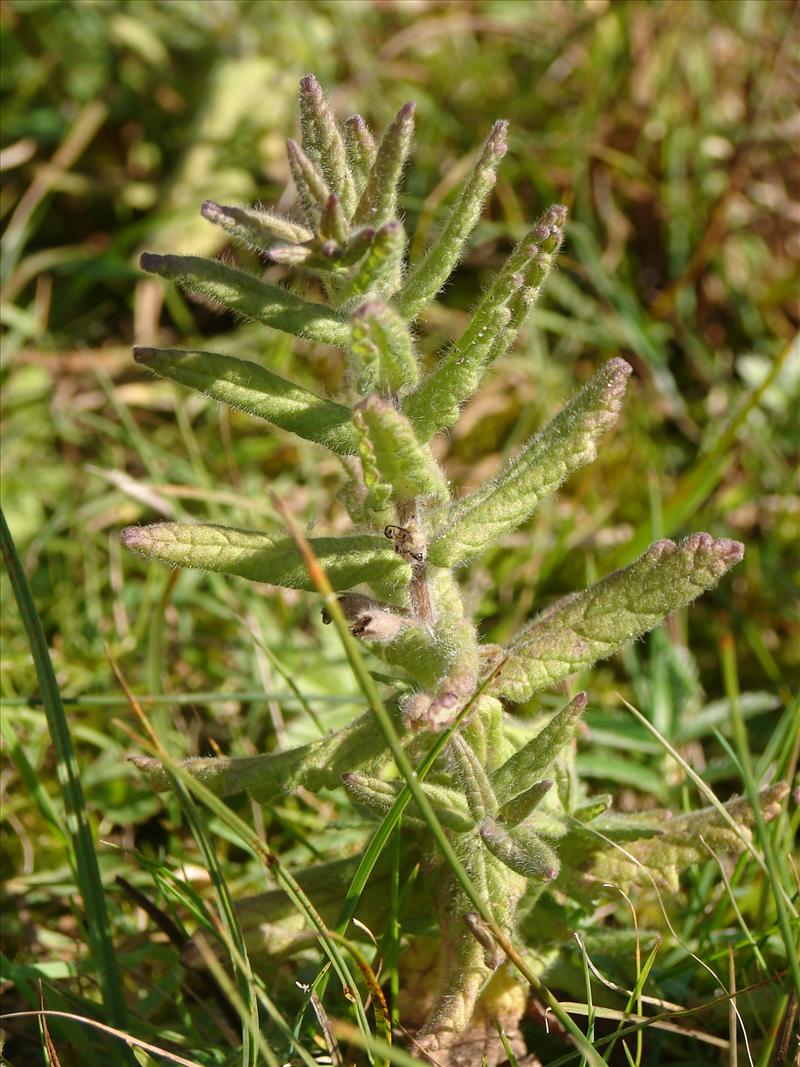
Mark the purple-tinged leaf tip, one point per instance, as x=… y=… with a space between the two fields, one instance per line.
x=724 y=549
x=134 y=537
x=212 y=211
x=496 y=144
x=662 y=549
x=309 y=84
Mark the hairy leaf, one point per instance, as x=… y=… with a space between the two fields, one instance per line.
x=420 y=651
x=379 y=796
x=435 y=403
x=333 y=224
x=261 y=558
x=539 y=754
x=294 y=256
x=378 y=270
x=323 y=143
x=383 y=349
x=568 y=442
x=527 y=267
x=683 y=840
x=474 y=781
x=254 y=227
x=494 y=323
x=403 y=463
x=274 y=928
x=252 y=298
x=518 y=809
x=312 y=191
x=433 y=270
x=378 y=202
x=519 y=304
x=257 y=391
x=579 y=630
x=521 y=850
x=315 y=766
x=360 y=148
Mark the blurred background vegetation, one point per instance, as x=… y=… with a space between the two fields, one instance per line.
x=671 y=130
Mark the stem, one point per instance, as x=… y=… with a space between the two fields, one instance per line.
x=403 y=764
x=418 y=589
x=420 y=593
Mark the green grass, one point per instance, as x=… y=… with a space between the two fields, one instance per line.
x=75 y=831
x=666 y=127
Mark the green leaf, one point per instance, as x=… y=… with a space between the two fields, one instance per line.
x=494 y=323
x=473 y=779
x=379 y=269
x=378 y=497
x=318 y=765
x=433 y=270
x=568 y=442
x=296 y=256
x=358 y=243
x=493 y=327
x=359 y=146
x=518 y=809
x=257 y=391
x=434 y=404
x=526 y=268
x=540 y=753
x=383 y=349
x=378 y=202
x=247 y=554
x=333 y=225
x=580 y=629
x=421 y=652
x=521 y=850
x=252 y=298
x=254 y=227
x=274 y=927
x=379 y=796
x=519 y=304
x=323 y=143
x=403 y=463
x=683 y=840
x=312 y=192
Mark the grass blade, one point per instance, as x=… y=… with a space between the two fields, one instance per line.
x=773 y=865
x=84 y=855
x=250 y=839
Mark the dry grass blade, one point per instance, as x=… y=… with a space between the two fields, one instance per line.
x=127 y=1039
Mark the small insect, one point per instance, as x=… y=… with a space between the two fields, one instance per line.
x=358 y=627
x=408 y=543
x=368 y=619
